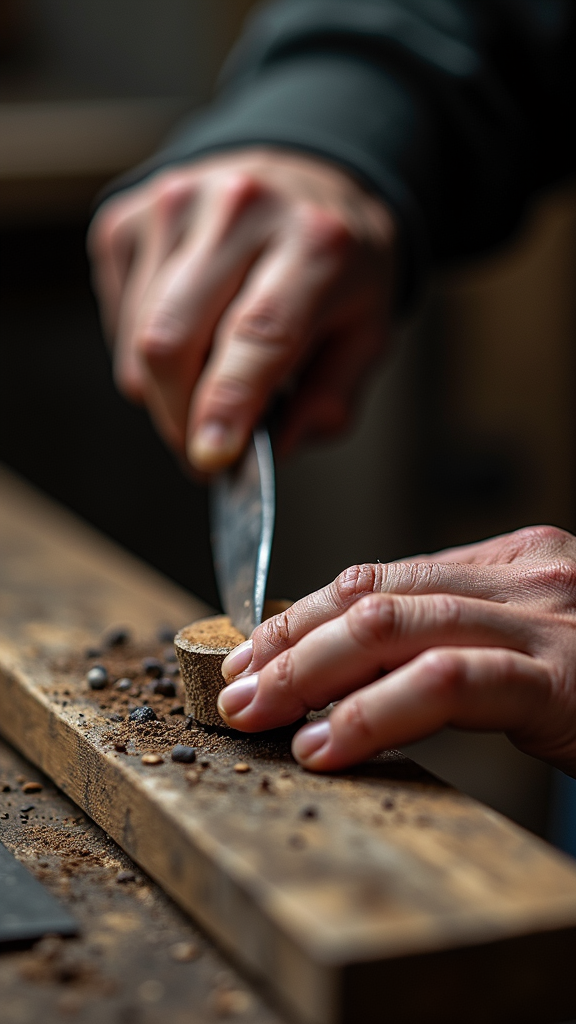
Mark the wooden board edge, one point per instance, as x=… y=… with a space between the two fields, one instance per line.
x=303 y=987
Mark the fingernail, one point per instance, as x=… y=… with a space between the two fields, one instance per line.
x=310 y=739
x=238 y=660
x=214 y=445
x=237 y=696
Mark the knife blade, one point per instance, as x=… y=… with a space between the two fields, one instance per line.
x=242 y=526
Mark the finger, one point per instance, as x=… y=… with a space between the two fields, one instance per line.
x=160 y=228
x=465 y=688
x=282 y=631
x=110 y=243
x=376 y=634
x=271 y=325
x=187 y=291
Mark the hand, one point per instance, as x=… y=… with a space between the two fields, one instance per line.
x=480 y=637
x=225 y=281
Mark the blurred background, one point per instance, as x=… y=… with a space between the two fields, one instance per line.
x=467 y=432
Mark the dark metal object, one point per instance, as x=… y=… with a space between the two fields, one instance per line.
x=27 y=910
x=242 y=529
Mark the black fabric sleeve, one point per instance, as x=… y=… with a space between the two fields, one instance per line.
x=453 y=111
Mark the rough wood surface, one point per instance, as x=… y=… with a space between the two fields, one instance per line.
x=379 y=894
x=137 y=960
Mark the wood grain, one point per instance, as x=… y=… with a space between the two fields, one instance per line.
x=380 y=894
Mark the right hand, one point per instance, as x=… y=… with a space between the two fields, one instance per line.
x=228 y=280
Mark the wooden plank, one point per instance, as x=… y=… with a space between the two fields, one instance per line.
x=375 y=894
x=137 y=958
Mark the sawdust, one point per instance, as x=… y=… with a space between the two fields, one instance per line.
x=216 y=633
x=132 y=739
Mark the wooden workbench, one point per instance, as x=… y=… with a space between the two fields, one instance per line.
x=376 y=895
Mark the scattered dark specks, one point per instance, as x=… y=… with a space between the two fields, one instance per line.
x=143 y=714
x=125 y=876
x=165 y=687
x=178 y=709
x=123 y=684
x=152 y=667
x=388 y=804
x=97 y=677
x=120 y=747
x=183 y=754
x=32 y=787
x=310 y=812
x=297 y=841
x=26 y=808
x=117 y=637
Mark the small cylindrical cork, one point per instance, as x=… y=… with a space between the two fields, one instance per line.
x=201 y=648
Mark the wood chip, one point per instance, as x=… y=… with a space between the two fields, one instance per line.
x=242 y=767
x=152 y=759
x=231 y=1002
x=32 y=787
x=184 y=952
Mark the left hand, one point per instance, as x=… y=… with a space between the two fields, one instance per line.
x=480 y=637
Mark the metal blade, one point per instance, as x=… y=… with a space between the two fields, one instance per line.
x=242 y=528
x=27 y=909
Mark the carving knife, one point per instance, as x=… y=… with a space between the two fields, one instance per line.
x=242 y=526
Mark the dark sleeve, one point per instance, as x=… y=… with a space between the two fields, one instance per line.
x=454 y=111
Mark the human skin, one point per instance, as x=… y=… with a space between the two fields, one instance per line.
x=227 y=281
x=480 y=637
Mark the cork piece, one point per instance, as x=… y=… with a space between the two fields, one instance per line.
x=201 y=648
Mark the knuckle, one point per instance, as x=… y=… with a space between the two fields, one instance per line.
x=276 y=632
x=372 y=619
x=351 y=714
x=161 y=337
x=284 y=671
x=556 y=575
x=325 y=230
x=536 y=538
x=354 y=582
x=241 y=185
x=267 y=323
x=442 y=670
